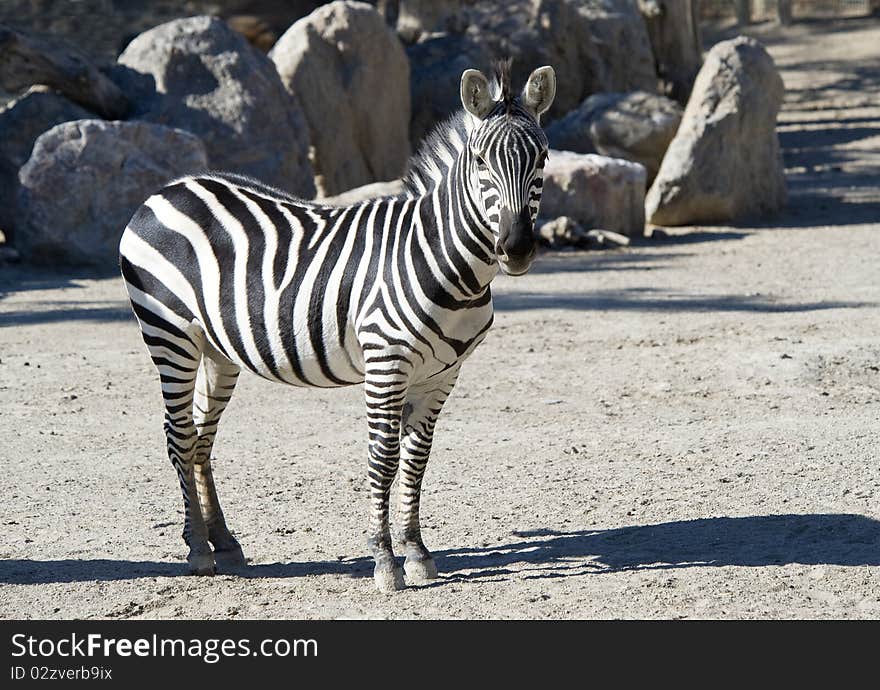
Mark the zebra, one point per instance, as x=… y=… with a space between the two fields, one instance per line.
x=224 y=273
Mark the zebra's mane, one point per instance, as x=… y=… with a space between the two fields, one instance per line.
x=501 y=86
x=437 y=154
x=441 y=148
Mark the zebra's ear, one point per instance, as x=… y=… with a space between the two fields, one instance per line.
x=539 y=91
x=475 y=96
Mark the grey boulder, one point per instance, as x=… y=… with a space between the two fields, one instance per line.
x=725 y=162
x=86 y=178
x=26 y=59
x=199 y=75
x=635 y=126
x=21 y=122
x=595 y=191
x=350 y=73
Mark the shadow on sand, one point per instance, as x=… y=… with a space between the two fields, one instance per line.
x=79 y=311
x=30 y=572
x=754 y=541
x=26 y=279
x=654 y=300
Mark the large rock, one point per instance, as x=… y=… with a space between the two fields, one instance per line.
x=21 y=122
x=725 y=162
x=635 y=126
x=26 y=60
x=594 y=45
x=595 y=191
x=199 y=75
x=674 y=29
x=351 y=75
x=86 y=178
x=436 y=65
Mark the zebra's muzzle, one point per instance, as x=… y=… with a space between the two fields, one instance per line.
x=515 y=246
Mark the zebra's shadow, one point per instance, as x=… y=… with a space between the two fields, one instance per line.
x=752 y=541
x=29 y=571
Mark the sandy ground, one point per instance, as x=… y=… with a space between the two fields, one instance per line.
x=687 y=428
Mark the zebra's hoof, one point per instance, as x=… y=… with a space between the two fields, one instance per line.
x=230 y=558
x=389 y=580
x=420 y=570
x=201 y=563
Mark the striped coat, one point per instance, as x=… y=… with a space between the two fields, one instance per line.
x=225 y=274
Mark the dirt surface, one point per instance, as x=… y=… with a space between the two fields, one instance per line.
x=687 y=428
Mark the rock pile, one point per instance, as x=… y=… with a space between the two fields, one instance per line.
x=349 y=90
x=196 y=95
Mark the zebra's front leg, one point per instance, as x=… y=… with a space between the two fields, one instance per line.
x=423 y=406
x=384 y=405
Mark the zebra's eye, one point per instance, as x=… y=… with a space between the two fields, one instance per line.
x=542 y=159
x=481 y=163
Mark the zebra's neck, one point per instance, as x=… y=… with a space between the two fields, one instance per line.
x=459 y=234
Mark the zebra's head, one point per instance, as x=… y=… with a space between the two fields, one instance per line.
x=507 y=150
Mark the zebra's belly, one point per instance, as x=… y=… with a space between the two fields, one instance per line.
x=317 y=347
x=311 y=353
x=337 y=367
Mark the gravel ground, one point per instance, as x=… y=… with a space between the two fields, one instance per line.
x=686 y=428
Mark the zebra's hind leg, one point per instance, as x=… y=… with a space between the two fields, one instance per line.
x=176 y=354
x=423 y=406
x=384 y=400
x=215 y=384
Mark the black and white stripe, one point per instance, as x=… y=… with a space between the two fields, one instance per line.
x=226 y=274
